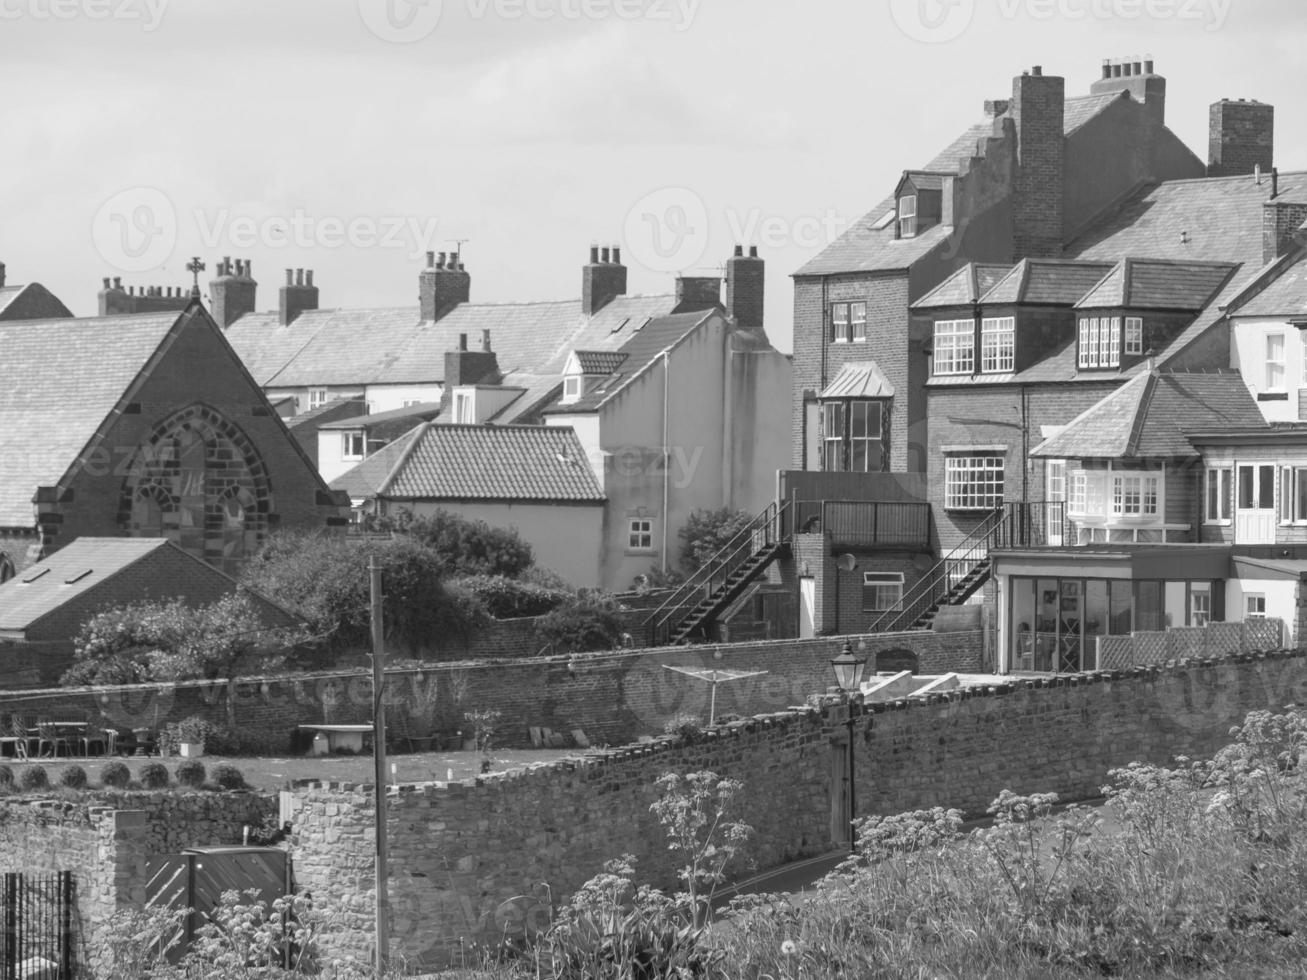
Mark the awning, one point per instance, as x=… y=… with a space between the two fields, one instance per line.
x=859 y=379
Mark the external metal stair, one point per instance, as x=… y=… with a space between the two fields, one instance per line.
x=688 y=613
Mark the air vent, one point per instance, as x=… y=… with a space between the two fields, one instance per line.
x=33 y=578
x=78 y=577
x=621 y=325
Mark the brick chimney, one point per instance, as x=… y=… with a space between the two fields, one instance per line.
x=1038 y=101
x=745 y=288
x=469 y=367
x=299 y=294
x=1134 y=75
x=1282 y=228
x=112 y=298
x=1240 y=137
x=603 y=279
x=232 y=293
x=442 y=285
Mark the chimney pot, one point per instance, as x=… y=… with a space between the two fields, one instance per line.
x=485 y=340
x=1037 y=71
x=226 y=265
x=106 y=282
x=1107 y=68
x=308 y=277
x=739 y=251
x=290 y=277
x=603 y=255
x=1275 y=182
x=1148 y=67
x=462 y=341
x=299 y=277
x=1257 y=174
x=462 y=267
x=249 y=268
x=131 y=290
x=753 y=251
x=440 y=262
x=431 y=260
x=617 y=255
x=117 y=282
x=594 y=254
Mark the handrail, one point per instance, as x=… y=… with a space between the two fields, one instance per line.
x=714 y=572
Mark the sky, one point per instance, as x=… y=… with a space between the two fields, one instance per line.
x=352 y=136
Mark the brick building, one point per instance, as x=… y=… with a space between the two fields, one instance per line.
x=144 y=426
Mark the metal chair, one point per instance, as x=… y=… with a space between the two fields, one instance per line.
x=49 y=736
x=96 y=735
x=14 y=737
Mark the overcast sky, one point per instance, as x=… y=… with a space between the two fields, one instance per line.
x=350 y=136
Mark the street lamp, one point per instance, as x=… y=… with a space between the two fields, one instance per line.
x=848 y=675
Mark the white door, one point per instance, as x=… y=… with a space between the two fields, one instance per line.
x=807 y=608
x=1055 y=493
x=1254 y=512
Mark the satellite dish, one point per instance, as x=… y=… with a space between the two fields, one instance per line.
x=847 y=562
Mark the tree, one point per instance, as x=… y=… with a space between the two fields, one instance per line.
x=707 y=532
x=325 y=578
x=583 y=624
x=466 y=547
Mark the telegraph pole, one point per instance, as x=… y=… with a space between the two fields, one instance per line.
x=379 y=761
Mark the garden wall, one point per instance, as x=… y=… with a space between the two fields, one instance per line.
x=481 y=861
x=612 y=697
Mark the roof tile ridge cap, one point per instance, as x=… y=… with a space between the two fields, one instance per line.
x=419 y=432
x=1152 y=378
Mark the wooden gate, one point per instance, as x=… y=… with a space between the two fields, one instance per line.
x=38 y=913
x=196 y=878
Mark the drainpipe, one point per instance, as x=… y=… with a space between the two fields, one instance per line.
x=667 y=454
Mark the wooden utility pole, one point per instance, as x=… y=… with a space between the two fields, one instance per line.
x=379 y=761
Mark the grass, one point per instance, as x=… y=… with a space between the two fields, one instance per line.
x=272 y=774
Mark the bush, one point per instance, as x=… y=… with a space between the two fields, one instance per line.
x=33 y=778
x=191 y=773
x=6 y=778
x=74 y=777
x=116 y=775
x=196 y=730
x=683 y=726
x=154 y=775
x=584 y=624
x=465 y=547
x=228 y=777
x=707 y=532
x=506 y=598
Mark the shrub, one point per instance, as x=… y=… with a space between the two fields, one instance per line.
x=506 y=598
x=154 y=775
x=583 y=624
x=707 y=532
x=116 y=774
x=74 y=777
x=228 y=777
x=683 y=726
x=34 y=777
x=197 y=731
x=465 y=547
x=6 y=778
x=191 y=773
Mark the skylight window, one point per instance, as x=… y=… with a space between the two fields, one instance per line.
x=884 y=221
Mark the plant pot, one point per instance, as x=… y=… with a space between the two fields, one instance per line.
x=190 y=750
x=422 y=743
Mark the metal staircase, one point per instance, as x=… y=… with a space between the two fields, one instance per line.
x=690 y=610
x=965 y=569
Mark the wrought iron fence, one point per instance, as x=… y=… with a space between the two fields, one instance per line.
x=38 y=941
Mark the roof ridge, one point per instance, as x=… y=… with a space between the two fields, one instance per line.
x=1141 y=412
x=418 y=432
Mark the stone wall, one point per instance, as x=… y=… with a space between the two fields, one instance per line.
x=481 y=861
x=612 y=697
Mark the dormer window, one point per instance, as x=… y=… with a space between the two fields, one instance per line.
x=1099 y=342
x=908 y=216
x=572 y=387
x=353 y=445
x=1134 y=335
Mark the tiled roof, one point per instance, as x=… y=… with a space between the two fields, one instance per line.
x=424 y=412
x=1157 y=284
x=924 y=180
x=641 y=350
x=964 y=287
x=1243 y=281
x=8 y=294
x=1149 y=415
x=392 y=346
x=313 y=414
x=1211 y=219
x=864 y=248
x=59 y=380
x=1286 y=296
x=859 y=379
x=1046 y=282
x=599 y=361
x=478 y=462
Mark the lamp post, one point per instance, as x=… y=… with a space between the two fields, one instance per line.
x=848 y=675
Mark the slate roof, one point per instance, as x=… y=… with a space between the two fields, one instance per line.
x=859 y=379
x=393 y=346
x=423 y=412
x=1286 y=296
x=478 y=462
x=1046 y=282
x=1158 y=284
x=964 y=287
x=863 y=248
x=1221 y=218
x=313 y=414
x=8 y=294
x=1148 y=417
x=641 y=350
x=599 y=361
x=59 y=380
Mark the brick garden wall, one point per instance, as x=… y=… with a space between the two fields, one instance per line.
x=612 y=697
x=472 y=861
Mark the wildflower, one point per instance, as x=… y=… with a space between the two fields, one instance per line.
x=788 y=948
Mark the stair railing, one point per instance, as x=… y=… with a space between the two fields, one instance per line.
x=766 y=530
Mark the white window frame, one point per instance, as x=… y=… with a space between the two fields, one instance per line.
x=640 y=534
x=1218 y=492
x=1087 y=342
x=1134 y=335
x=858 y=322
x=974 y=481
x=464 y=408
x=1136 y=495
x=908 y=216
x=1077 y=498
x=1275 y=365
x=1293 y=481
x=957 y=338
x=353 y=445
x=841 y=331
x=1200 y=613
x=317 y=398
x=998 y=344
x=832 y=436
x=1254 y=605
x=572 y=388
x=882 y=592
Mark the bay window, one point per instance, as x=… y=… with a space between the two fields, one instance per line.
x=955 y=346
x=1099 y=342
x=852 y=435
x=997 y=344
